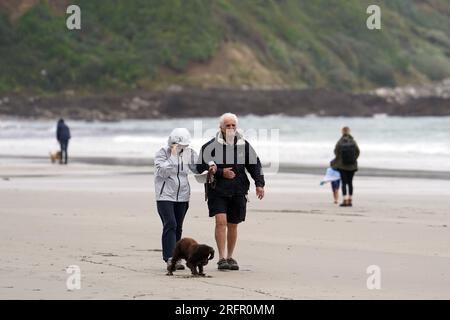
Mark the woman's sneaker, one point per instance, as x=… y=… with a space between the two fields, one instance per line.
x=233 y=264
x=344 y=204
x=178 y=265
x=223 y=264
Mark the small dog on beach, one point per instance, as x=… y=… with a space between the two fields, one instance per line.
x=196 y=256
x=55 y=156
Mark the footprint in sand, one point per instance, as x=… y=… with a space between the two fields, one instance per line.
x=191 y=276
x=105 y=254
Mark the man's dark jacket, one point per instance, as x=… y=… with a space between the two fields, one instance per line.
x=239 y=156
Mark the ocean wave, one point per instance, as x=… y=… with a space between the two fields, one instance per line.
x=391 y=142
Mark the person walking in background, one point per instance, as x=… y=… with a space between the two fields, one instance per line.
x=172 y=163
x=63 y=136
x=227 y=157
x=346 y=162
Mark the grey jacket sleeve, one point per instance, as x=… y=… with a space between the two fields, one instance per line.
x=165 y=166
x=193 y=161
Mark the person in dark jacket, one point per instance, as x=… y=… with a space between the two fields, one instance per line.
x=63 y=137
x=346 y=162
x=227 y=157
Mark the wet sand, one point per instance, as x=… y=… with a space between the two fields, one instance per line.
x=283 y=168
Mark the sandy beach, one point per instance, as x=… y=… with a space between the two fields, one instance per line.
x=295 y=244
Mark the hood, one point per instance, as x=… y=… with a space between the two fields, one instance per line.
x=347 y=137
x=239 y=136
x=179 y=136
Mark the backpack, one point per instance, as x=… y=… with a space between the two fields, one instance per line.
x=348 y=153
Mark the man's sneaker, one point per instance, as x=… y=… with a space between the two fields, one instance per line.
x=233 y=264
x=223 y=264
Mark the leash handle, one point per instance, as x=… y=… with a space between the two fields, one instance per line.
x=210 y=183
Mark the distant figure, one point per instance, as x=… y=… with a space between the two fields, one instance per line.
x=335 y=185
x=334 y=177
x=63 y=137
x=346 y=162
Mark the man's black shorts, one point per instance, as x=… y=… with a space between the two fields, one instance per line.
x=234 y=206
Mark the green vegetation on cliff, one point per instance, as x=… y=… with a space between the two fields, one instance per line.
x=126 y=44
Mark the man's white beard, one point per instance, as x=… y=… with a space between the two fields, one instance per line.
x=229 y=136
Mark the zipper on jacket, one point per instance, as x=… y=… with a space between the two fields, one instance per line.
x=178 y=177
x=181 y=154
x=162 y=188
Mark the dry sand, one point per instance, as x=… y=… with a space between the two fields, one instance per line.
x=295 y=244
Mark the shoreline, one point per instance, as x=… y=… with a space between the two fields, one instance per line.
x=283 y=168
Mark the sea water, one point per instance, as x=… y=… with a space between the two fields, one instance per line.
x=413 y=143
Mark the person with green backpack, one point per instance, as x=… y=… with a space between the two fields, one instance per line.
x=346 y=162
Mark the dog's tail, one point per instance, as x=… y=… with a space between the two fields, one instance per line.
x=211 y=254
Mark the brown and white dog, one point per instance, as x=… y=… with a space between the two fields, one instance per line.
x=196 y=256
x=55 y=156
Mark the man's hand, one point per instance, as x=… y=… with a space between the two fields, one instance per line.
x=212 y=169
x=228 y=173
x=260 y=192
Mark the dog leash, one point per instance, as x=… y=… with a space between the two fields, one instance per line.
x=210 y=183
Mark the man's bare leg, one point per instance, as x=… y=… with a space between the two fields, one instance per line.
x=231 y=239
x=221 y=233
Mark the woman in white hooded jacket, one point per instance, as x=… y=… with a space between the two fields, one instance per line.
x=172 y=189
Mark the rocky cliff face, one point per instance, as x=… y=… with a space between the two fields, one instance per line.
x=179 y=102
x=177 y=58
x=408 y=94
